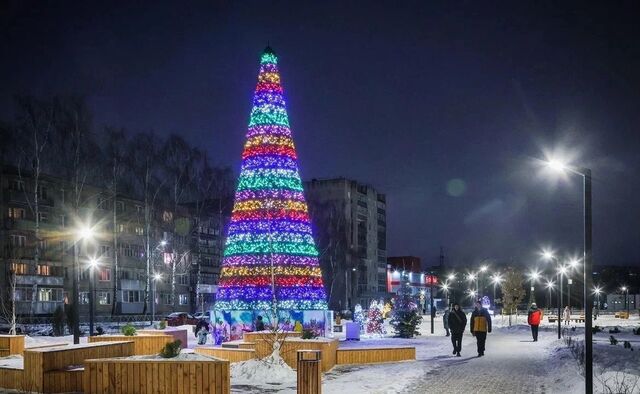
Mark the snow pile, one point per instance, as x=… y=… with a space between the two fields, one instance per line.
x=12 y=362
x=268 y=371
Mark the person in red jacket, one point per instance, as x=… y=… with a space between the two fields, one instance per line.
x=534 y=318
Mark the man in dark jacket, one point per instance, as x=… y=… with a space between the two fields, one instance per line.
x=480 y=326
x=457 y=323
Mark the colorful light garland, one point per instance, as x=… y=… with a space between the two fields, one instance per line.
x=270 y=243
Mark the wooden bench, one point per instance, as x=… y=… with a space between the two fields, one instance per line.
x=11 y=344
x=362 y=355
x=142 y=344
x=59 y=369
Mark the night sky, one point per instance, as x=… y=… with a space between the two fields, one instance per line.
x=445 y=107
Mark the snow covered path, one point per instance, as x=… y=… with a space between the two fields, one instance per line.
x=513 y=363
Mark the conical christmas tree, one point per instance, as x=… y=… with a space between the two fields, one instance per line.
x=270 y=258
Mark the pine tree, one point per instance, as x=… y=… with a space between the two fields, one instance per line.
x=405 y=317
x=270 y=257
x=374 y=319
x=512 y=291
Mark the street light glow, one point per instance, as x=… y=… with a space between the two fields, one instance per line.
x=556 y=165
x=563 y=270
x=547 y=254
x=93 y=263
x=534 y=275
x=86 y=232
x=550 y=284
x=496 y=279
x=157 y=276
x=574 y=263
x=163 y=243
x=624 y=288
x=483 y=268
x=452 y=276
x=472 y=277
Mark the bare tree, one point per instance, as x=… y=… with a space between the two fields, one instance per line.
x=8 y=303
x=35 y=125
x=179 y=161
x=143 y=160
x=116 y=151
x=512 y=291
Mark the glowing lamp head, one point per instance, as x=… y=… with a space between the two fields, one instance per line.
x=93 y=263
x=563 y=270
x=547 y=255
x=550 y=285
x=452 y=276
x=163 y=243
x=556 y=165
x=574 y=263
x=624 y=288
x=535 y=275
x=157 y=276
x=472 y=276
x=483 y=268
x=86 y=232
x=445 y=287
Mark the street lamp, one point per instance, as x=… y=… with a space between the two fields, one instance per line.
x=534 y=275
x=585 y=173
x=549 y=256
x=483 y=269
x=156 y=278
x=82 y=233
x=93 y=265
x=549 y=285
x=496 y=279
x=625 y=289
x=452 y=280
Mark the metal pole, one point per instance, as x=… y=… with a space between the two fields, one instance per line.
x=569 y=281
x=559 y=305
x=153 y=299
x=588 y=283
x=76 y=295
x=431 y=302
x=92 y=291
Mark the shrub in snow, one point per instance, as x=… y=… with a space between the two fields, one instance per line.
x=162 y=324
x=128 y=330
x=636 y=331
x=99 y=330
x=596 y=329
x=627 y=345
x=308 y=333
x=358 y=316
x=615 y=330
x=405 y=317
x=171 y=349
x=613 y=340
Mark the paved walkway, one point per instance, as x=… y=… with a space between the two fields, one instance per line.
x=512 y=364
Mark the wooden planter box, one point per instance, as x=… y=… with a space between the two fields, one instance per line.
x=142 y=344
x=133 y=376
x=361 y=355
x=11 y=378
x=233 y=355
x=11 y=344
x=176 y=334
x=59 y=369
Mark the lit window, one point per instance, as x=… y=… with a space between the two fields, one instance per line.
x=104 y=275
x=104 y=298
x=183 y=299
x=16 y=213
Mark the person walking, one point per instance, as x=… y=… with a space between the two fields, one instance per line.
x=567 y=315
x=480 y=325
x=445 y=319
x=457 y=321
x=534 y=317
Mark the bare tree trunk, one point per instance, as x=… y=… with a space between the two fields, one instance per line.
x=116 y=266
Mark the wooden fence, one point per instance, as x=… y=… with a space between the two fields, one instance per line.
x=233 y=355
x=156 y=376
x=11 y=344
x=375 y=355
x=143 y=344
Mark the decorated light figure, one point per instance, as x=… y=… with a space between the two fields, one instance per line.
x=270 y=258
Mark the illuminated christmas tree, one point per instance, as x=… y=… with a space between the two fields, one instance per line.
x=374 y=319
x=270 y=245
x=358 y=316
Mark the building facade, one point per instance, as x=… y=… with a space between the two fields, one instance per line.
x=140 y=252
x=349 y=221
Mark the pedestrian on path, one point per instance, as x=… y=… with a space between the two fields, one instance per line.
x=480 y=326
x=445 y=319
x=567 y=315
x=457 y=322
x=535 y=315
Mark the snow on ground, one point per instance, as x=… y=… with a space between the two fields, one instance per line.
x=512 y=364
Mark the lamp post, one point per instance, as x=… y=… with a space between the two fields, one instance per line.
x=452 y=278
x=82 y=233
x=534 y=275
x=549 y=286
x=156 y=278
x=549 y=256
x=473 y=278
x=587 y=268
x=483 y=269
x=625 y=291
x=495 y=279
x=93 y=265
